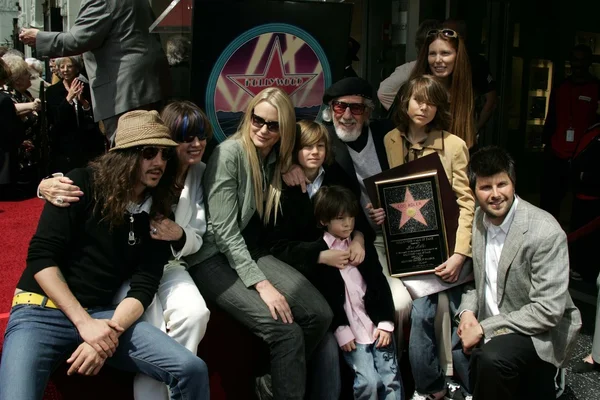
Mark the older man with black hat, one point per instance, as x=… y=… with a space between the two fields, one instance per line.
x=78 y=259
x=357 y=143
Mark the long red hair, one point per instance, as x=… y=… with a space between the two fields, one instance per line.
x=462 y=102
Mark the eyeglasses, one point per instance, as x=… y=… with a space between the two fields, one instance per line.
x=188 y=137
x=259 y=122
x=149 y=152
x=449 y=33
x=339 y=107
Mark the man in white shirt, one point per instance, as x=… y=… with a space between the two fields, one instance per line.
x=519 y=321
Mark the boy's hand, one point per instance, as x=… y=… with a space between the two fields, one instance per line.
x=348 y=347
x=377 y=215
x=385 y=338
x=334 y=258
x=450 y=270
x=357 y=253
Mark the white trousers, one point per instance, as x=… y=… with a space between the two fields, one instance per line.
x=177 y=309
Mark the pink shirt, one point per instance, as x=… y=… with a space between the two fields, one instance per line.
x=361 y=328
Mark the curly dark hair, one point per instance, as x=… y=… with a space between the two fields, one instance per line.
x=115 y=176
x=428 y=90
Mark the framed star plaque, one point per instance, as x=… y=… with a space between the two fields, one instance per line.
x=421 y=215
x=414 y=232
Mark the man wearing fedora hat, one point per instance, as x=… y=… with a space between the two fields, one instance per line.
x=78 y=259
x=357 y=144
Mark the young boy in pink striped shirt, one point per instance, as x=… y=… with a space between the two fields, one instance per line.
x=360 y=298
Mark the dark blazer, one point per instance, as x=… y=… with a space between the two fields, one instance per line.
x=125 y=63
x=297 y=240
x=11 y=136
x=379 y=128
x=75 y=137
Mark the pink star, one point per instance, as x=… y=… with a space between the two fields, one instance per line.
x=410 y=208
x=274 y=74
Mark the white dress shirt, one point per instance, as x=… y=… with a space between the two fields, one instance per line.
x=496 y=236
x=313 y=187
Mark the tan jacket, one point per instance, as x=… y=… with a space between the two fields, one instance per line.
x=454 y=155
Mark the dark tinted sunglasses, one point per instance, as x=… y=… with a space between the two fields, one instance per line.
x=259 y=122
x=339 y=107
x=188 y=137
x=444 y=32
x=149 y=152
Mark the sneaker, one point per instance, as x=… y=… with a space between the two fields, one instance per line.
x=263 y=388
x=434 y=396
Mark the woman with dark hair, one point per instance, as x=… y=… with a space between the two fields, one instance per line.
x=445 y=57
x=75 y=138
x=423 y=117
x=234 y=268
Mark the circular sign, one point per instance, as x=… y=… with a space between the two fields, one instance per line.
x=269 y=55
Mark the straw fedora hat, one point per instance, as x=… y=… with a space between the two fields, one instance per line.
x=142 y=128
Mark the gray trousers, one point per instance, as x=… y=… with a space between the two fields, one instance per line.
x=596 y=342
x=290 y=344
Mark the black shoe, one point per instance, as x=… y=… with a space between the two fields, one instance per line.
x=583 y=367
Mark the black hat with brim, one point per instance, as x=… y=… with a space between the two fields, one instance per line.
x=353 y=86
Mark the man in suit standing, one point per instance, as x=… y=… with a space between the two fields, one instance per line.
x=519 y=321
x=125 y=63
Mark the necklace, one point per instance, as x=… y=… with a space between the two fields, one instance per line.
x=132 y=240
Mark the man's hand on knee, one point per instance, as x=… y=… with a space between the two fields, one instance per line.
x=469 y=331
x=85 y=361
x=101 y=334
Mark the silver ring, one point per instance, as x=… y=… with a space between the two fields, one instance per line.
x=59 y=200
x=154 y=231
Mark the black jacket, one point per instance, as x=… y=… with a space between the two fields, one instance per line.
x=379 y=128
x=94 y=259
x=74 y=136
x=297 y=240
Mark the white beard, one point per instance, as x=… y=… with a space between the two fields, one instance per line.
x=347 y=135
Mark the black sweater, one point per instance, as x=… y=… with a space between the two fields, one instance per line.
x=297 y=240
x=94 y=260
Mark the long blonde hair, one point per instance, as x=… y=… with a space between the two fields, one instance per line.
x=287 y=136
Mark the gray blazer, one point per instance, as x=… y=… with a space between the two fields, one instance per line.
x=533 y=281
x=230 y=204
x=125 y=63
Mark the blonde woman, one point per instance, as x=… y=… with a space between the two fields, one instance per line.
x=233 y=268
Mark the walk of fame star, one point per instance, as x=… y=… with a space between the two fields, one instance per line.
x=274 y=74
x=410 y=208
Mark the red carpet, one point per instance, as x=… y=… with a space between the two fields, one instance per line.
x=18 y=222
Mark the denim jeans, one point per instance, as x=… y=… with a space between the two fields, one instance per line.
x=422 y=346
x=323 y=381
x=290 y=345
x=39 y=339
x=376 y=374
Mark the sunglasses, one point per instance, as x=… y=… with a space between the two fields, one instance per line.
x=449 y=33
x=150 y=152
x=258 y=122
x=188 y=137
x=339 y=107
